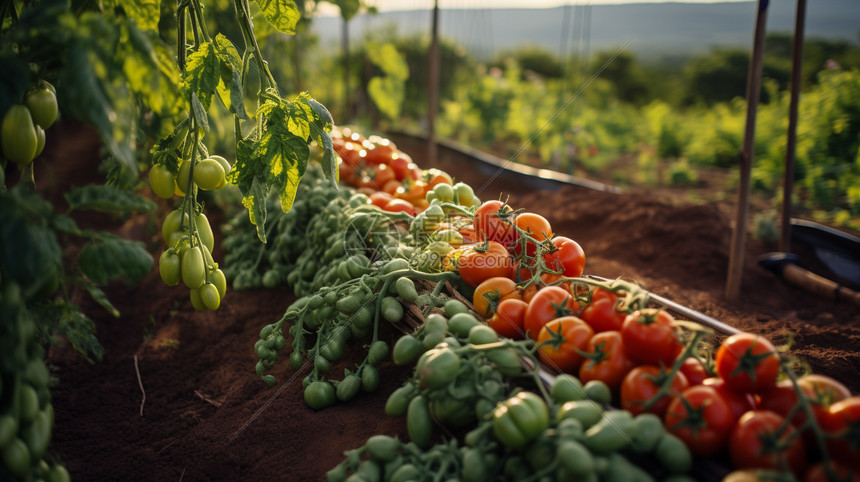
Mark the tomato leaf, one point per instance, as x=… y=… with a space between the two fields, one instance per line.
x=320 y=129
x=199 y=112
x=388 y=94
x=79 y=329
x=202 y=72
x=150 y=71
x=107 y=199
x=230 y=82
x=100 y=297
x=29 y=252
x=110 y=258
x=145 y=12
x=281 y=14
x=388 y=59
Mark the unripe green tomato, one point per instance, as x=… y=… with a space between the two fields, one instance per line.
x=43 y=107
x=224 y=164
x=29 y=403
x=58 y=473
x=18 y=138
x=208 y=174
x=196 y=300
x=40 y=141
x=16 y=459
x=209 y=295
x=464 y=194
x=162 y=181
x=169 y=268
x=171 y=223
x=205 y=232
x=319 y=395
x=182 y=177
x=220 y=281
x=193 y=268
x=444 y=192
x=178 y=240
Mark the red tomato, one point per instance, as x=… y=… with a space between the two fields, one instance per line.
x=567 y=256
x=694 y=370
x=380 y=175
x=380 y=199
x=747 y=362
x=400 y=165
x=548 y=304
x=818 y=473
x=391 y=187
x=754 y=443
x=601 y=313
x=381 y=154
x=484 y=261
x=642 y=384
x=491 y=292
x=545 y=279
x=468 y=233
x=702 y=419
x=400 y=205
x=351 y=152
x=560 y=342
x=508 y=319
x=535 y=226
x=606 y=360
x=739 y=403
x=843 y=425
x=650 y=338
x=493 y=222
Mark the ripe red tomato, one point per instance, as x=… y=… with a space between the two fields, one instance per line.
x=400 y=165
x=567 y=256
x=702 y=419
x=601 y=314
x=391 y=187
x=484 y=261
x=400 y=205
x=843 y=425
x=560 y=342
x=754 y=443
x=650 y=338
x=747 y=362
x=548 y=304
x=380 y=154
x=491 y=292
x=818 y=472
x=694 y=370
x=380 y=199
x=380 y=175
x=606 y=360
x=493 y=222
x=509 y=317
x=533 y=225
x=351 y=153
x=642 y=384
x=739 y=403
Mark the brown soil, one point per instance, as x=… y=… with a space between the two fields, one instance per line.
x=207 y=416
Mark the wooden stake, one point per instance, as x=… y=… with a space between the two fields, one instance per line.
x=433 y=88
x=796 y=81
x=736 y=260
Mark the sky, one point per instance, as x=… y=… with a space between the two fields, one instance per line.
x=326 y=8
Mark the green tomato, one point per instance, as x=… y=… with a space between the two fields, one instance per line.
x=419 y=424
x=406 y=473
x=452 y=412
x=220 y=281
x=162 y=181
x=225 y=165
x=369 y=378
x=382 y=447
x=398 y=401
x=598 y=391
x=567 y=388
x=673 y=454
x=319 y=394
x=208 y=174
x=58 y=473
x=16 y=459
x=8 y=429
x=463 y=194
x=193 y=267
x=453 y=307
x=461 y=324
x=182 y=177
x=172 y=222
x=205 y=232
x=438 y=367
x=348 y=388
x=209 y=296
x=482 y=335
x=585 y=412
x=648 y=432
x=377 y=353
x=574 y=457
x=43 y=107
x=18 y=139
x=406 y=350
x=40 y=141
x=28 y=400
x=405 y=288
x=196 y=300
x=520 y=419
x=507 y=361
x=474 y=467
x=169 y=267
x=612 y=433
x=37 y=435
x=391 y=309
x=444 y=193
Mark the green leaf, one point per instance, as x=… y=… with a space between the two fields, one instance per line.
x=151 y=71
x=320 y=128
x=107 y=198
x=388 y=94
x=348 y=8
x=255 y=202
x=109 y=258
x=145 y=12
x=79 y=329
x=202 y=73
x=14 y=81
x=281 y=14
x=388 y=59
x=229 y=88
x=29 y=252
x=199 y=112
x=101 y=298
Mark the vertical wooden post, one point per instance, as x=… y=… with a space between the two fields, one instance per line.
x=738 y=247
x=433 y=87
x=796 y=84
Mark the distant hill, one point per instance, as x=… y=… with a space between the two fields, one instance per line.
x=653 y=30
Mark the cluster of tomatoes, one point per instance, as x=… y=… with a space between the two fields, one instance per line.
x=735 y=404
x=377 y=168
x=23 y=126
